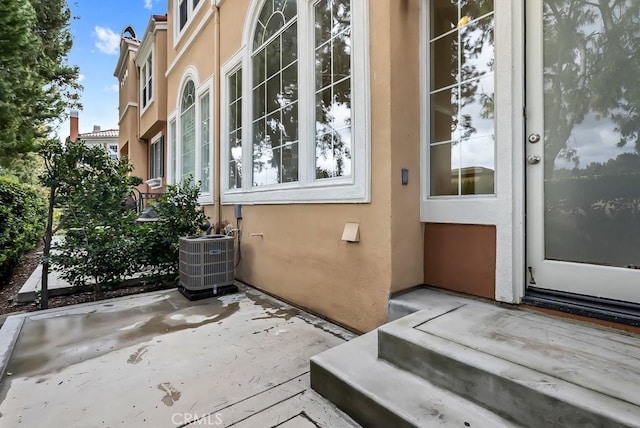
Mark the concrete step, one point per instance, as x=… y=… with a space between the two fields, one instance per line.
x=535 y=369
x=377 y=394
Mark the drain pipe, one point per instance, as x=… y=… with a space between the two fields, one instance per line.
x=217 y=107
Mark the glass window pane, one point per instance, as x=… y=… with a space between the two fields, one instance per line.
x=444 y=169
x=477 y=162
x=444 y=115
x=259 y=71
x=476 y=111
x=258 y=101
x=188 y=142
x=273 y=57
x=342 y=55
x=172 y=144
x=444 y=16
x=323 y=66
x=323 y=22
x=276 y=22
x=475 y=8
x=182 y=13
x=289 y=85
x=478 y=53
x=205 y=147
x=290 y=122
x=289 y=45
x=273 y=94
x=444 y=61
x=274 y=129
x=289 y=165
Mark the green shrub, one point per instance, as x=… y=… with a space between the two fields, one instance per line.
x=22 y=221
x=178 y=215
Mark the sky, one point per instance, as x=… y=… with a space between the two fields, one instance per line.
x=96 y=40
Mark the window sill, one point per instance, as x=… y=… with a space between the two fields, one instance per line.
x=337 y=194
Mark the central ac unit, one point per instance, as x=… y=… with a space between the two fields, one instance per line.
x=206 y=265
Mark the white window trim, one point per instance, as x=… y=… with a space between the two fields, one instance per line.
x=156 y=140
x=504 y=209
x=191 y=13
x=146 y=50
x=143 y=85
x=353 y=189
x=191 y=73
x=172 y=148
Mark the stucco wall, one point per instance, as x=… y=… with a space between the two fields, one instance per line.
x=154 y=117
x=295 y=251
x=406 y=229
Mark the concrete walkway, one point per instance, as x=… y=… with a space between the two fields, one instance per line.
x=161 y=360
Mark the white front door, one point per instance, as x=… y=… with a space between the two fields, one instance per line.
x=582 y=147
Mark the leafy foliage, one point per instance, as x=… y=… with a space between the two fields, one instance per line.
x=36 y=83
x=178 y=215
x=22 y=213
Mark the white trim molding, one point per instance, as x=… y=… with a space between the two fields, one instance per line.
x=504 y=209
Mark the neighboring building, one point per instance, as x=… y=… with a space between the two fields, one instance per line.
x=402 y=123
x=107 y=139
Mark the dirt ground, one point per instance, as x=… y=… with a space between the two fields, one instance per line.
x=9 y=288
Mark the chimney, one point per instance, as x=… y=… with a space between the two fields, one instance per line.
x=73 y=120
x=96 y=128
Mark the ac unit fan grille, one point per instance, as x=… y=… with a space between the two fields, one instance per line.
x=206 y=262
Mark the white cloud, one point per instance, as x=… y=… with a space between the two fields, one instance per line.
x=108 y=41
x=148 y=4
x=81 y=77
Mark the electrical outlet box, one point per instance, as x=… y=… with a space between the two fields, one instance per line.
x=237 y=209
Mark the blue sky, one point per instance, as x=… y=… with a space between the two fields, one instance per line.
x=96 y=40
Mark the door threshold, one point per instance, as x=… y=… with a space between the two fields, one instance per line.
x=587 y=306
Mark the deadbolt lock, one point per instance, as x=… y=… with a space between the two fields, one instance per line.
x=533 y=159
x=534 y=138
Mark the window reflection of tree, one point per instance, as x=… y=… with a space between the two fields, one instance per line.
x=462 y=93
x=275 y=95
x=333 y=88
x=591 y=63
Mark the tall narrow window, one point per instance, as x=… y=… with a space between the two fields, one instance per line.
x=188 y=128
x=205 y=144
x=333 y=88
x=172 y=150
x=275 y=94
x=235 y=129
x=183 y=10
x=150 y=77
x=462 y=136
x=156 y=158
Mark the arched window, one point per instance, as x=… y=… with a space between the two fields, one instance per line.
x=188 y=127
x=275 y=94
x=295 y=121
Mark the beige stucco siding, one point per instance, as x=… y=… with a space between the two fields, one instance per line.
x=406 y=229
x=295 y=250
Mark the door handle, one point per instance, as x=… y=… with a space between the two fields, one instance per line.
x=533 y=159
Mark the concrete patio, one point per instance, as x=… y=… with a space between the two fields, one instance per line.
x=160 y=360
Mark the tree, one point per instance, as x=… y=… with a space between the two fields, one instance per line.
x=36 y=83
x=90 y=188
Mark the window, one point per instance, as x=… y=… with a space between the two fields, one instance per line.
x=205 y=144
x=156 y=158
x=184 y=13
x=146 y=81
x=234 y=126
x=172 y=151
x=188 y=127
x=461 y=99
x=190 y=136
x=275 y=95
x=299 y=141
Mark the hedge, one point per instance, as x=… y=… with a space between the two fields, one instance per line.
x=22 y=221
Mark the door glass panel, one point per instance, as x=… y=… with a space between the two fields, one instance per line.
x=592 y=124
